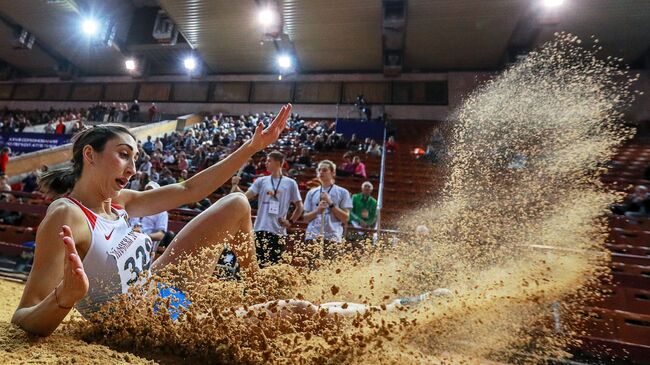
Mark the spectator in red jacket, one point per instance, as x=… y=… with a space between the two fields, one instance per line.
x=4 y=159
x=153 y=109
x=60 y=128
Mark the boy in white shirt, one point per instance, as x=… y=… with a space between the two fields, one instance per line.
x=274 y=194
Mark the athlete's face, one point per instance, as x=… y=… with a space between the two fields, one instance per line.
x=117 y=162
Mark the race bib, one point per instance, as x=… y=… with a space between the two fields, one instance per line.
x=274 y=207
x=133 y=259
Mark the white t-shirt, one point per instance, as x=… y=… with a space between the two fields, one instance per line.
x=333 y=227
x=152 y=223
x=270 y=208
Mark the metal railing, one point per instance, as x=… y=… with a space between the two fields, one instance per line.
x=380 y=189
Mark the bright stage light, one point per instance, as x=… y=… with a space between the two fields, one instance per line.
x=189 y=63
x=90 y=26
x=284 y=62
x=552 y=3
x=129 y=64
x=266 y=16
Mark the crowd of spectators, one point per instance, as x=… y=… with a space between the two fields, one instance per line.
x=121 y=112
x=176 y=156
x=17 y=120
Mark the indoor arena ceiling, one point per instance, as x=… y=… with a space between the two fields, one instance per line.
x=326 y=35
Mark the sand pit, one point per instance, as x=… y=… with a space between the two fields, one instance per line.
x=16 y=347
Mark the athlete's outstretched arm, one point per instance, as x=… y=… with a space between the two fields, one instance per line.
x=144 y=203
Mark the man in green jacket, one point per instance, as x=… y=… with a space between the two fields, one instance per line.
x=364 y=208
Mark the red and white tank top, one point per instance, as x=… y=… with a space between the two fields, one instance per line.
x=118 y=258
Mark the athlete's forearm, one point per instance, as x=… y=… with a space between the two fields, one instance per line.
x=205 y=182
x=41 y=319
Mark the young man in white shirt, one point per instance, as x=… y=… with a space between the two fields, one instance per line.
x=327 y=209
x=274 y=194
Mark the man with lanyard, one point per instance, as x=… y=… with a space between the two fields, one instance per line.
x=274 y=193
x=327 y=208
x=364 y=208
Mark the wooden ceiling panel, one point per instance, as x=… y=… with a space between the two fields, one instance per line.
x=335 y=35
x=225 y=33
x=459 y=34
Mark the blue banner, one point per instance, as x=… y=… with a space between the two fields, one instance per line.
x=30 y=142
x=373 y=128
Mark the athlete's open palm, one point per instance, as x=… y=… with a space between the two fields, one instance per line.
x=75 y=282
x=264 y=137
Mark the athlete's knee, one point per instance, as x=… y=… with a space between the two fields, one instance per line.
x=238 y=203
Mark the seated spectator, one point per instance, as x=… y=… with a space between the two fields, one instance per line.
x=374 y=149
x=305 y=158
x=155 y=226
x=364 y=208
x=183 y=176
x=348 y=167
x=30 y=182
x=636 y=204
x=76 y=128
x=148 y=146
x=166 y=177
x=49 y=127
x=183 y=164
x=136 y=181
x=319 y=144
x=169 y=158
x=353 y=143
x=23 y=123
x=146 y=165
x=144 y=180
x=359 y=167
x=4 y=186
x=391 y=146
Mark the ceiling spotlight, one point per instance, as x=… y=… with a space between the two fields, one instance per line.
x=189 y=63
x=266 y=16
x=129 y=64
x=552 y=3
x=90 y=26
x=284 y=62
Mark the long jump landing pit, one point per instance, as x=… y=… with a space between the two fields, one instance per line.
x=17 y=347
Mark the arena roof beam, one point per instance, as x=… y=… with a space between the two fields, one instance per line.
x=393 y=36
x=40 y=60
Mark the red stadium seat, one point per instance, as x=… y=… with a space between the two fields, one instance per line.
x=633 y=328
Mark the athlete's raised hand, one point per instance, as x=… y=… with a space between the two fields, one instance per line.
x=264 y=137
